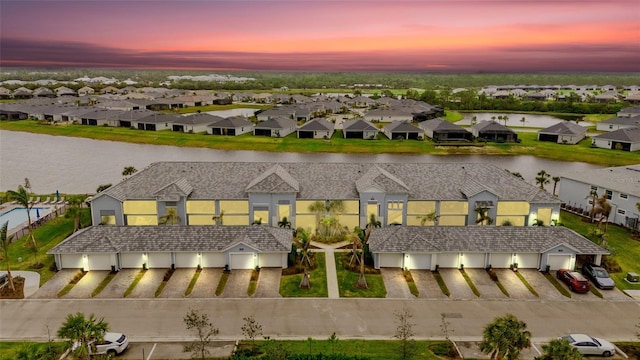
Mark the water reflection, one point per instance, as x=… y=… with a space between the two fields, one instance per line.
x=75 y=165
x=515 y=120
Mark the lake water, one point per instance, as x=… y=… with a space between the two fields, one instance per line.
x=538 y=121
x=75 y=165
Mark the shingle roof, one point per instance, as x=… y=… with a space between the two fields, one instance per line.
x=625 y=179
x=621 y=120
x=159 y=118
x=317 y=181
x=276 y=123
x=441 y=125
x=403 y=126
x=174 y=238
x=490 y=126
x=381 y=179
x=194 y=119
x=231 y=122
x=565 y=128
x=274 y=180
x=318 y=124
x=358 y=125
x=513 y=239
x=631 y=135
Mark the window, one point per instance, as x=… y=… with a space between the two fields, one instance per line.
x=623 y=196
x=397 y=205
x=621 y=211
x=590 y=202
x=609 y=194
x=594 y=188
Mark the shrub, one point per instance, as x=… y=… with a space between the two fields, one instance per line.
x=610 y=264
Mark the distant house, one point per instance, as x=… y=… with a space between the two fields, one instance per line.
x=231 y=126
x=403 y=130
x=275 y=127
x=44 y=92
x=492 y=131
x=101 y=117
x=565 y=132
x=65 y=91
x=618 y=123
x=22 y=93
x=276 y=112
x=194 y=123
x=359 y=129
x=439 y=129
x=607 y=97
x=155 y=122
x=5 y=93
x=318 y=128
x=85 y=90
x=633 y=98
x=629 y=112
x=627 y=139
x=388 y=115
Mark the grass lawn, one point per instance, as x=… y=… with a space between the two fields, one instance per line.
x=624 y=248
x=372 y=349
x=47 y=236
x=347 y=282
x=337 y=144
x=30 y=350
x=290 y=284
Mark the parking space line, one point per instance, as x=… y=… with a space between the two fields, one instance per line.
x=152 y=350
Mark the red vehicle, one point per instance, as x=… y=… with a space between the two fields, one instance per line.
x=574 y=280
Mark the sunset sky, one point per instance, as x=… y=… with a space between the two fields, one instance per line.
x=328 y=35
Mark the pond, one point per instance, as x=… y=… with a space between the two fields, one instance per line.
x=515 y=120
x=76 y=165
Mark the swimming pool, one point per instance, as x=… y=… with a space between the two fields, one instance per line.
x=18 y=216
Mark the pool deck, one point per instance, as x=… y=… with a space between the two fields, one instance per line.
x=6 y=207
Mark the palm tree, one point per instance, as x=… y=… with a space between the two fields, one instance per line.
x=542 y=178
x=555 y=179
x=284 y=223
x=559 y=349
x=218 y=218
x=505 y=118
x=602 y=208
x=593 y=194
x=5 y=242
x=474 y=120
x=505 y=337
x=75 y=211
x=304 y=242
x=129 y=170
x=523 y=120
x=430 y=217
x=21 y=196
x=319 y=208
x=83 y=332
x=170 y=218
x=483 y=216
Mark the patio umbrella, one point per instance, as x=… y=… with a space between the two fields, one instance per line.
x=57 y=195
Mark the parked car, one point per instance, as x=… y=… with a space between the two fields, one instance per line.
x=598 y=275
x=589 y=345
x=113 y=344
x=574 y=280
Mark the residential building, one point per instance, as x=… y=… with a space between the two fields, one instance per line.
x=626 y=139
x=565 y=132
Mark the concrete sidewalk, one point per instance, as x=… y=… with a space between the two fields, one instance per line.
x=330 y=259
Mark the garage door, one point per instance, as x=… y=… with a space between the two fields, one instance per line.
x=241 y=261
x=159 y=260
x=71 y=261
x=131 y=260
x=213 y=260
x=99 y=261
x=473 y=260
x=270 y=260
x=391 y=260
x=559 y=261
x=186 y=260
x=419 y=261
x=448 y=260
x=528 y=261
x=500 y=260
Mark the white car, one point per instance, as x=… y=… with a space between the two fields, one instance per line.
x=589 y=345
x=113 y=344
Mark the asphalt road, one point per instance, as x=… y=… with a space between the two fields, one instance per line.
x=157 y=320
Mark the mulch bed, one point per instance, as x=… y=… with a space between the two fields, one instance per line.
x=7 y=293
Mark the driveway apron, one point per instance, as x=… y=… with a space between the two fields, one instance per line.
x=86 y=285
x=513 y=284
x=395 y=283
x=487 y=287
x=207 y=283
x=269 y=283
x=147 y=286
x=458 y=287
x=237 y=284
x=615 y=294
x=541 y=285
x=177 y=285
x=52 y=287
x=427 y=285
x=119 y=284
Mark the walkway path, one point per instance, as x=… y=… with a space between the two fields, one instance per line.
x=332 y=276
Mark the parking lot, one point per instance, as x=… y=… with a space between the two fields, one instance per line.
x=151 y=285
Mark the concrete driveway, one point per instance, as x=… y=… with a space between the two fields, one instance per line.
x=456 y=284
x=237 y=284
x=177 y=284
x=269 y=283
x=487 y=287
x=395 y=283
x=174 y=350
x=427 y=285
x=86 y=285
x=147 y=286
x=119 y=284
x=207 y=283
x=52 y=287
x=541 y=285
x=515 y=287
x=613 y=294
